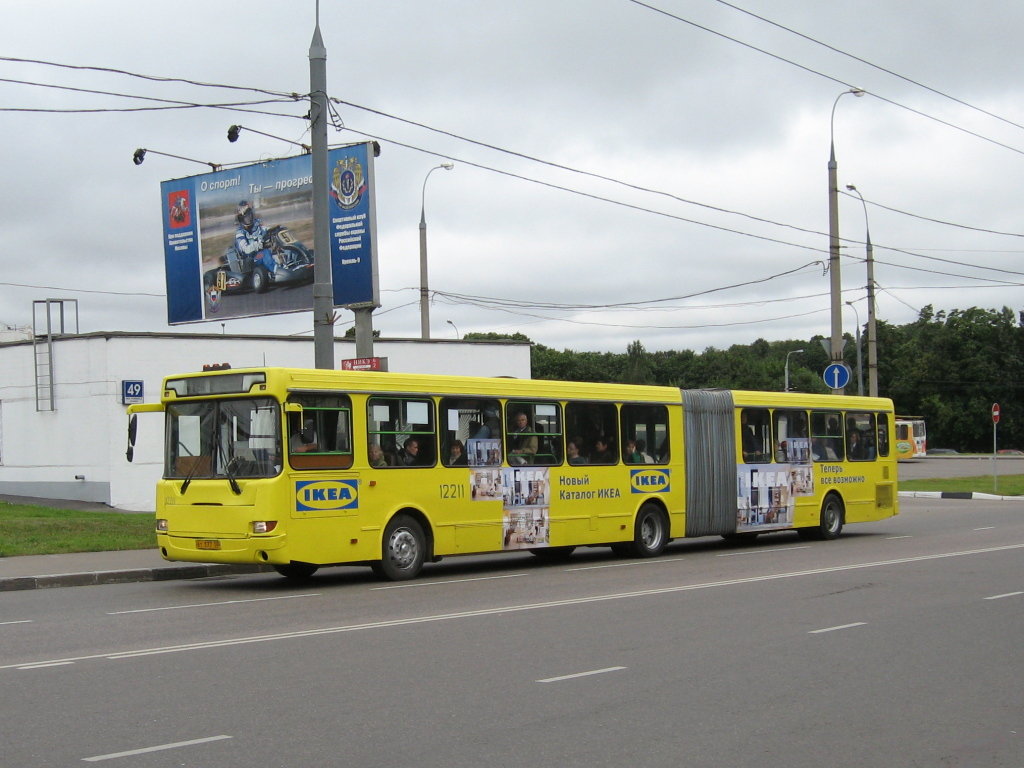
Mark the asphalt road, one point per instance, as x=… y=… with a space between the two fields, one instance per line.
x=898 y=644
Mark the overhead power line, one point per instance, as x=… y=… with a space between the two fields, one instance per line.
x=871 y=64
x=831 y=78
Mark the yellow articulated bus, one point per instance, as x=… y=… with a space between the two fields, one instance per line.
x=301 y=469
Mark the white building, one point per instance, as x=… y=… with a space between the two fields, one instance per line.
x=63 y=428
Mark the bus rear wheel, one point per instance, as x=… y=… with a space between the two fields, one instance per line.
x=403 y=551
x=650 y=533
x=830 y=524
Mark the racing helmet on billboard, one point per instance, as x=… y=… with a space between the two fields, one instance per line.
x=245 y=214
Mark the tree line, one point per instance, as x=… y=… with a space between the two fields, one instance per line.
x=947 y=366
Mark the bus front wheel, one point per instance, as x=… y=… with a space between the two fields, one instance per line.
x=650 y=533
x=830 y=524
x=403 y=551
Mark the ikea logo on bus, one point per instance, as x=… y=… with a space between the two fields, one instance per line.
x=649 y=480
x=326 y=495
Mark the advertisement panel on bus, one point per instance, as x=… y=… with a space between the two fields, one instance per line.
x=240 y=242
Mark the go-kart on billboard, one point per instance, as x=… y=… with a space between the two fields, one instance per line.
x=240 y=243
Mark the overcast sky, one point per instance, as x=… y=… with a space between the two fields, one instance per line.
x=731 y=144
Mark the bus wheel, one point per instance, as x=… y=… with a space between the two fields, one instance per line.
x=404 y=550
x=552 y=554
x=830 y=524
x=650 y=534
x=296 y=570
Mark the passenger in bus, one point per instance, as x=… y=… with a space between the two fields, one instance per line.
x=602 y=453
x=822 y=451
x=572 y=451
x=457 y=455
x=641 y=448
x=376 y=456
x=522 y=445
x=411 y=453
x=304 y=440
x=631 y=455
x=855 y=446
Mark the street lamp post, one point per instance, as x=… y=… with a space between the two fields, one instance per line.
x=453 y=325
x=860 y=367
x=424 y=293
x=872 y=332
x=786 y=380
x=835 y=283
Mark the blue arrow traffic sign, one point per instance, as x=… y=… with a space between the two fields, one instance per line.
x=837 y=375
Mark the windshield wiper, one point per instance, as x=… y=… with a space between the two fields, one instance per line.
x=189 y=476
x=218 y=447
x=235 y=487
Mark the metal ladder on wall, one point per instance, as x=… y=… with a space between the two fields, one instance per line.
x=43 y=332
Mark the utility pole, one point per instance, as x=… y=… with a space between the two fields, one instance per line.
x=323 y=289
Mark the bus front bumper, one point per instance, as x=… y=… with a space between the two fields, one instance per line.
x=214 y=549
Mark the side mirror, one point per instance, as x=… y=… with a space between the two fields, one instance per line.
x=133 y=430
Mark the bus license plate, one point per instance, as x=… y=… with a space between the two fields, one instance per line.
x=207 y=544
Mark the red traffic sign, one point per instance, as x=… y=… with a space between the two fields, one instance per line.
x=995 y=413
x=364 y=364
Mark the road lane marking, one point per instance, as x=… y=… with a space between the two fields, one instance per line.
x=1008 y=594
x=893 y=538
x=46 y=664
x=579 y=674
x=985 y=528
x=19 y=621
x=448 y=581
x=523 y=607
x=207 y=605
x=158 y=748
x=836 y=629
x=763 y=551
x=658 y=561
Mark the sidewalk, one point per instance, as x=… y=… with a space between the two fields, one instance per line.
x=88 y=568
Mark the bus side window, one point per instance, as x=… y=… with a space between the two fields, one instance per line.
x=404 y=429
x=860 y=436
x=644 y=430
x=533 y=433
x=322 y=438
x=755 y=436
x=827 y=436
x=791 y=440
x=596 y=424
x=474 y=423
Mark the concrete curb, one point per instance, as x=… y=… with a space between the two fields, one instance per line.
x=125 y=576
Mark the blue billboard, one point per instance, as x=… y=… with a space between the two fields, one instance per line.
x=240 y=242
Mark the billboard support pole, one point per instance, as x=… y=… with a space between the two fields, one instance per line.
x=323 y=292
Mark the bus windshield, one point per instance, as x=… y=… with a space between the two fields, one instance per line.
x=223 y=439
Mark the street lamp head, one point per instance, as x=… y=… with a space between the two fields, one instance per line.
x=139 y=157
x=448 y=166
x=233 y=132
x=858 y=92
x=851 y=187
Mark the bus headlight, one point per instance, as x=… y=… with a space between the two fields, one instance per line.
x=264 y=526
x=161 y=525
